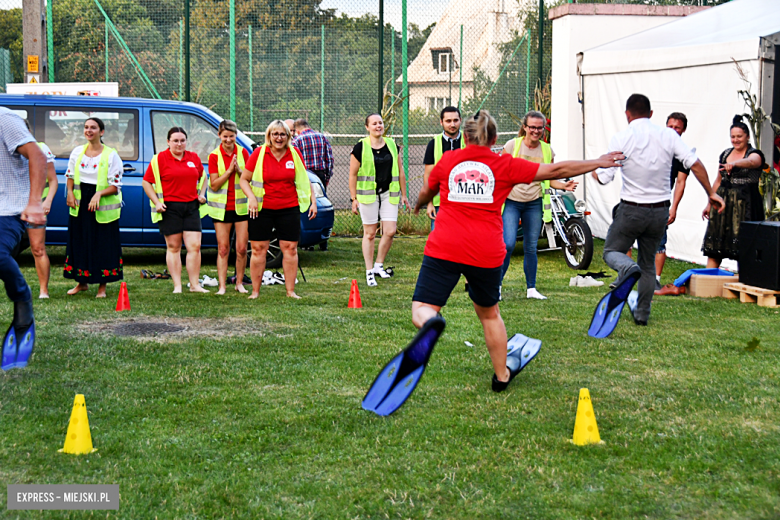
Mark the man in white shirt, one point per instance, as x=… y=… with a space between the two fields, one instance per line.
x=644 y=206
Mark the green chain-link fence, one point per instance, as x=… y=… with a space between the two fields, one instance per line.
x=254 y=61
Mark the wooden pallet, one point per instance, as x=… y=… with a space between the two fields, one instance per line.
x=750 y=294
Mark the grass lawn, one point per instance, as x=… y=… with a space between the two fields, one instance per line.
x=253 y=410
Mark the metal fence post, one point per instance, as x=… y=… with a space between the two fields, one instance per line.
x=527 y=67
x=405 y=86
x=322 y=78
x=186 y=50
x=381 y=37
x=49 y=41
x=392 y=66
x=251 y=93
x=181 y=60
x=106 y=46
x=233 y=60
x=460 y=67
x=541 y=37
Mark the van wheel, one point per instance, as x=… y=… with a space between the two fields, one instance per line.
x=273 y=258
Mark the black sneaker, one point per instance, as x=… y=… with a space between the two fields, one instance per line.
x=500 y=386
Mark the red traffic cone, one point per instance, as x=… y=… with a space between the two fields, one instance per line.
x=123 y=301
x=354 y=297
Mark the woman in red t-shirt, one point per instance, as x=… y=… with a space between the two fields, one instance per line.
x=282 y=191
x=180 y=172
x=468 y=237
x=228 y=204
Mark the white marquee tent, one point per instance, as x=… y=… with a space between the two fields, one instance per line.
x=683 y=66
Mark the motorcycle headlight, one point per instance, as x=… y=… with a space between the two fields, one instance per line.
x=317 y=189
x=580 y=206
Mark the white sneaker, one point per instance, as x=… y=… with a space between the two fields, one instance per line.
x=588 y=281
x=533 y=293
x=209 y=282
x=370 y=280
x=380 y=270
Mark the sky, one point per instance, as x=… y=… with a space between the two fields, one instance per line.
x=421 y=12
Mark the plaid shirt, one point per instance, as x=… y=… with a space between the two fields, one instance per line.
x=316 y=151
x=14 y=168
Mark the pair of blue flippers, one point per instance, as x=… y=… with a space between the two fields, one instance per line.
x=18 y=346
x=609 y=309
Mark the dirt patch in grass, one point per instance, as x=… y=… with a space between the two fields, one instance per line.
x=154 y=328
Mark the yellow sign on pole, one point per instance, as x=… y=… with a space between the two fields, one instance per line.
x=32 y=63
x=33 y=78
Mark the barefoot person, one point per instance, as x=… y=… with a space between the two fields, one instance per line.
x=227 y=203
x=376 y=186
x=174 y=183
x=278 y=190
x=473 y=184
x=22 y=177
x=37 y=233
x=94 y=250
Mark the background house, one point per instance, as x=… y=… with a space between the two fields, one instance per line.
x=434 y=75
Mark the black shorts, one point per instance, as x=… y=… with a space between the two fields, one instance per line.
x=285 y=224
x=179 y=217
x=438 y=278
x=231 y=217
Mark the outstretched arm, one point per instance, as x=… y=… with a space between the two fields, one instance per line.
x=566 y=169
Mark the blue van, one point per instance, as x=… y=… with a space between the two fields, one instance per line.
x=137 y=128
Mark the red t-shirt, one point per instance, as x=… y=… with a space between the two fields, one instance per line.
x=179 y=178
x=231 y=184
x=278 y=179
x=473 y=184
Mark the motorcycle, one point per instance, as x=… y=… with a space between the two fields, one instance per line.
x=567 y=230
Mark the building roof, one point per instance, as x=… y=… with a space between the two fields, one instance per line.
x=486 y=24
x=731 y=30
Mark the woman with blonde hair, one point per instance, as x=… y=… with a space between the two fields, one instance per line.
x=467 y=240
x=377 y=186
x=227 y=203
x=278 y=190
x=529 y=202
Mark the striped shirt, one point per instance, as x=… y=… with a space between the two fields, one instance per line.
x=14 y=168
x=316 y=152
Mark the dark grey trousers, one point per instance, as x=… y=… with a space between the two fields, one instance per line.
x=646 y=226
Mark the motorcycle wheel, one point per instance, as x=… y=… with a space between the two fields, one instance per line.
x=580 y=253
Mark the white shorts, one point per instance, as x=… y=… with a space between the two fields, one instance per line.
x=380 y=209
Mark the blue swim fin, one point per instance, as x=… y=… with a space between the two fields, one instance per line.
x=9 y=349
x=26 y=342
x=398 y=379
x=632 y=301
x=599 y=315
x=529 y=352
x=515 y=343
x=611 y=306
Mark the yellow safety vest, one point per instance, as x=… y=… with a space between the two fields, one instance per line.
x=217 y=199
x=546 y=159
x=110 y=206
x=366 y=176
x=302 y=183
x=438 y=151
x=157 y=217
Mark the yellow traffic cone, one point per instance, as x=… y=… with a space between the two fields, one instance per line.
x=586 y=431
x=78 y=440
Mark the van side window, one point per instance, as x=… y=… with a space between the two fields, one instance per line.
x=202 y=137
x=62 y=129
